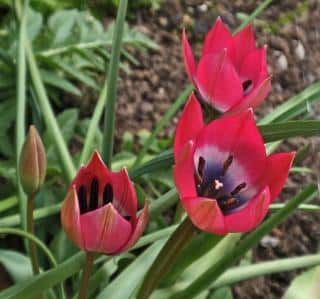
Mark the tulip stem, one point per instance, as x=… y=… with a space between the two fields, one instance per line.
x=30 y=229
x=86 y=275
x=165 y=259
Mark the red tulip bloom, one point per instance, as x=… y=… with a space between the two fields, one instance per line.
x=99 y=211
x=232 y=72
x=224 y=177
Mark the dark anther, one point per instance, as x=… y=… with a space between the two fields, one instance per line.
x=94 y=195
x=82 y=198
x=128 y=218
x=107 y=194
x=228 y=203
x=201 y=165
x=226 y=165
x=200 y=171
x=246 y=85
x=237 y=189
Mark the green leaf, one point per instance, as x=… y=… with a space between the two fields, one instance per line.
x=124 y=285
x=222 y=293
x=17 y=265
x=55 y=80
x=34 y=23
x=306 y=285
x=61 y=24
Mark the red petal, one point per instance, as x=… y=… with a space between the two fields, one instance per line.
x=183 y=171
x=251 y=215
x=254 y=66
x=254 y=98
x=139 y=228
x=249 y=155
x=218 y=82
x=125 y=198
x=217 y=139
x=188 y=57
x=244 y=42
x=70 y=218
x=218 y=38
x=277 y=172
x=205 y=214
x=94 y=169
x=105 y=230
x=189 y=125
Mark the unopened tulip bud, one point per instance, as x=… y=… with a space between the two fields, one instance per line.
x=33 y=162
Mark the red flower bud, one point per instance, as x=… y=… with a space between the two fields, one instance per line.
x=99 y=211
x=224 y=177
x=232 y=72
x=33 y=162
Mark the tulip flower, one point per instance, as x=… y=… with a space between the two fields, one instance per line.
x=225 y=180
x=99 y=211
x=231 y=75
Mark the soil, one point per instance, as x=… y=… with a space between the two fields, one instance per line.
x=290 y=28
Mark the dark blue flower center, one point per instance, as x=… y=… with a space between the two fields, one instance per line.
x=213 y=180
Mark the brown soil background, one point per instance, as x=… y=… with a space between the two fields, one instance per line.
x=294 y=60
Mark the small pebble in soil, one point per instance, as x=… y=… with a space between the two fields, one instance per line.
x=269 y=241
x=299 y=50
x=281 y=62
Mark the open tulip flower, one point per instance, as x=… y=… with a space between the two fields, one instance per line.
x=232 y=74
x=224 y=177
x=99 y=211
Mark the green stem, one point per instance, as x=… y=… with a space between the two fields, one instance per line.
x=109 y=117
x=86 y=275
x=242 y=273
x=21 y=110
x=168 y=254
x=205 y=280
x=30 y=230
x=94 y=122
x=49 y=117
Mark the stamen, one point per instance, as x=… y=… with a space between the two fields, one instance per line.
x=107 y=194
x=94 y=195
x=227 y=164
x=217 y=184
x=82 y=198
x=201 y=165
x=237 y=189
x=228 y=203
x=246 y=86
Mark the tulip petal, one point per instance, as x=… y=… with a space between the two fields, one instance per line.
x=248 y=150
x=218 y=82
x=183 y=171
x=139 y=227
x=70 y=218
x=125 y=198
x=277 y=172
x=217 y=139
x=254 y=98
x=205 y=214
x=105 y=230
x=189 y=61
x=248 y=217
x=218 y=38
x=244 y=42
x=254 y=66
x=189 y=125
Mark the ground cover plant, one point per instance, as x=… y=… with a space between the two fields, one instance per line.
x=86 y=214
